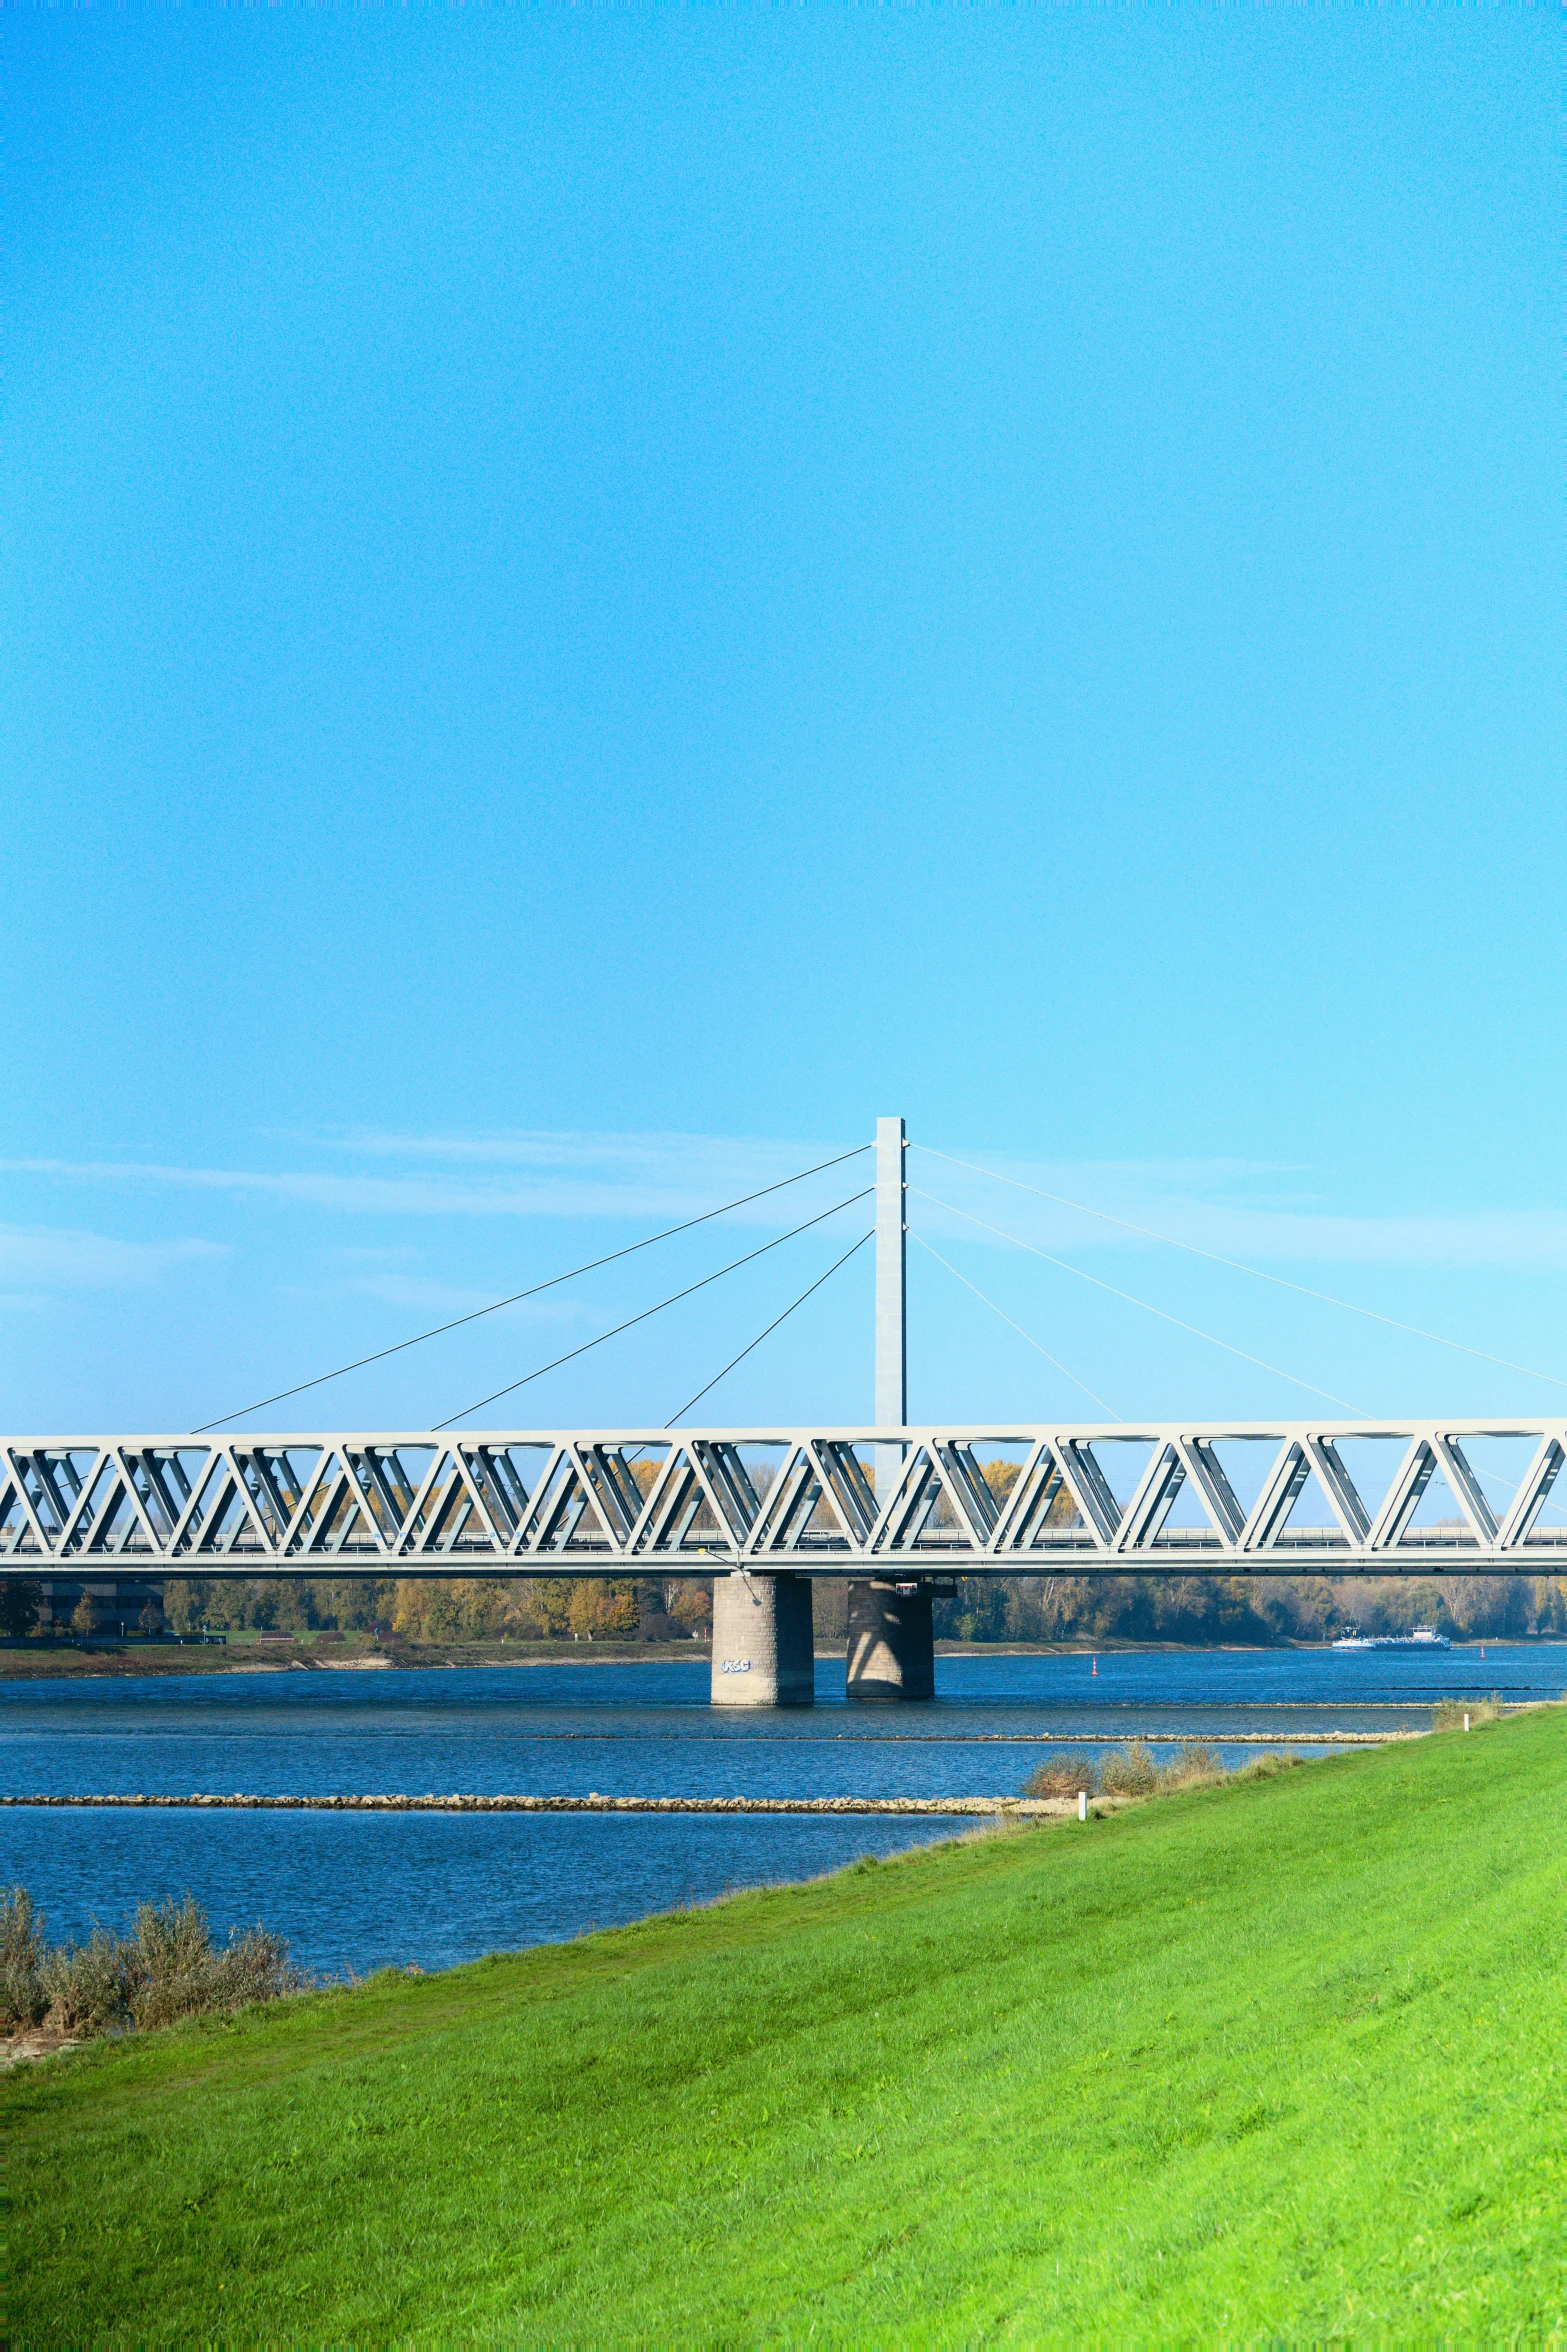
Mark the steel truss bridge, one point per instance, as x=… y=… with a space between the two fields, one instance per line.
x=1218 y=1498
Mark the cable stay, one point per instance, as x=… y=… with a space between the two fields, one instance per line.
x=1017 y=1327
x=771 y=1328
x=1281 y=1282
x=1209 y=1336
x=673 y=1300
x=517 y=1296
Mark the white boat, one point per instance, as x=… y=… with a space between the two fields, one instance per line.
x=1424 y=1637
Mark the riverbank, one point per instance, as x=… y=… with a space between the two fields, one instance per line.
x=247 y=1653
x=1314 y=2094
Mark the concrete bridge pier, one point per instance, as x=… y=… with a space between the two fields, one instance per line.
x=763 y=1651
x=892 y=1653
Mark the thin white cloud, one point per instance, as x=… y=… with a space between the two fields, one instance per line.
x=1244 y=1210
x=1168 y=1201
x=41 y=1259
x=659 y=1158
x=660 y=1178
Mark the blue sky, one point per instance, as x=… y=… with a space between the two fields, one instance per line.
x=593 y=599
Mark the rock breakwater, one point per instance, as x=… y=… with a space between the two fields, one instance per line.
x=957 y=1806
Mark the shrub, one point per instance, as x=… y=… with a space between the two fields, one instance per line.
x=87 y=1985
x=1194 y=1765
x=1135 y=1772
x=1063 y=1776
x=1448 y=1714
x=176 y=1972
x=1130 y=1772
x=164 y=1969
x=22 y=1997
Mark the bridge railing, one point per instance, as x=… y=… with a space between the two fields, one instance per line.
x=1274 y=1498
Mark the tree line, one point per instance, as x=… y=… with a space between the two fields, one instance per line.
x=1247 y=1609
x=1034 y=1609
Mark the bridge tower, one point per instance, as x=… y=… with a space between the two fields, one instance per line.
x=763 y=1648
x=892 y=1295
x=891 y=1649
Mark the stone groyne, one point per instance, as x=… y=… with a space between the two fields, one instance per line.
x=1022 y=1807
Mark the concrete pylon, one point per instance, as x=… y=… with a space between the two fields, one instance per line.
x=763 y=1653
x=892 y=1653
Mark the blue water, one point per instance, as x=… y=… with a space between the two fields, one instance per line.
x=353 y=1892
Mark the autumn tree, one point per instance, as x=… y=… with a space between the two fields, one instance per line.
x=603 y=1610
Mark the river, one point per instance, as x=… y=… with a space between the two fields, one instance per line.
x=355 y=1892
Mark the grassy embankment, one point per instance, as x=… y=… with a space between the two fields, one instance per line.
x=1282 y=2058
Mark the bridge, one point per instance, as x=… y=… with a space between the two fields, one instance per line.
x=899 y=1510
x=987 y=1501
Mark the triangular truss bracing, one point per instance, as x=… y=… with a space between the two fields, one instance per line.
x=1407 y=1497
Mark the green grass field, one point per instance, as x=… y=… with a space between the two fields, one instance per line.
x=1282 y=2059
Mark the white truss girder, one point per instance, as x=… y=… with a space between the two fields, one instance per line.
x=615 y=1502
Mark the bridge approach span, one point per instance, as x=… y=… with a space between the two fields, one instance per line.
x=1235 y=1498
